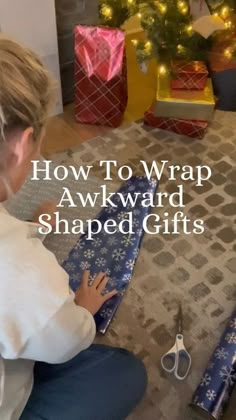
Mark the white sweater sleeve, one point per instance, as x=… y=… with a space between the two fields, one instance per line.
x=71 y=330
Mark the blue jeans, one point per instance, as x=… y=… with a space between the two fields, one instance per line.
x=101 y=383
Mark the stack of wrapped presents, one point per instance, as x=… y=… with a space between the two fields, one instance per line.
x=184 y=102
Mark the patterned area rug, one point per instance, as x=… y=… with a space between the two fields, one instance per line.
x=199 y=270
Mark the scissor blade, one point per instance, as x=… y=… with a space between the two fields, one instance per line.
x=180 y=320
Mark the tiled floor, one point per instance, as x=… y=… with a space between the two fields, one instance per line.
x=199 y=270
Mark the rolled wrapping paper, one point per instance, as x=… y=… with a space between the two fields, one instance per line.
x=213 y=393
x=114 y=254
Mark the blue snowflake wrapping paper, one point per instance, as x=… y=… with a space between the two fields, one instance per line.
x=216 y=386
x=115 y=254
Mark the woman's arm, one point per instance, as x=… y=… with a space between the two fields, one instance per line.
x=70 y=331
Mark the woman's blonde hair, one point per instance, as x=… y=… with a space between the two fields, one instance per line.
x=26 y=90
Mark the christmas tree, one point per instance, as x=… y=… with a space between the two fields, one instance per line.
x=170 y=35
x=168 y=25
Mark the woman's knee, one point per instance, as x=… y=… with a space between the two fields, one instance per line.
x=135 y=374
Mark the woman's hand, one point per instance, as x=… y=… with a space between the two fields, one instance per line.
x=48 y=207
x=90 y=297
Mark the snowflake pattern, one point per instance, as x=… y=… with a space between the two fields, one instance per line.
x=228 y=375
x=104 y=250
x=128 y=240
x=118 y=268
x=112 y=241
x=206 y=380
x=231 y=338
x=70 y=266
x=113 y=254
x=89 y=253
x=131 y=188
x=201 y=405
x=123 y=215
x=106 y=313
x=221 y=354
x=100 y=262
x=220 y=374
x=84 y=265
x=233 y=323
x=135 y=253
x=80 y=244
x=136 y=223
x=97 y=242
x=211 y=395
x=153 y=182
x=110 y=210
x=130 y=264
x=126 y=278
x=108 y=271
x=118 y=254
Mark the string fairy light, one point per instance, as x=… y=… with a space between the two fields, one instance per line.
x=228 y=24
x=162 y=70
x=225 y=12
x=107 y=12
x=189 y=29
x=228 y=53
x=148 y=46
x=182 y=6
x=180 y=48
x=134 y=42
x=162 y=7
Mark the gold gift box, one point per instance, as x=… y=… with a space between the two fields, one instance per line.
x=185 y=104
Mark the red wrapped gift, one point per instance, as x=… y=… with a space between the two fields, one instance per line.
x=100 y=75
x=190 y=128
x=191 y=76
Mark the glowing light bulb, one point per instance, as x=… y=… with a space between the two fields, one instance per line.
x=189 y=29
x=107 y=12
x=139 y=15
x=180 y=48
x=228 y=53
x=216 y=14
x=134 y=42
x=162 y=70
x=225 y=12
x=228 y=24
x=182 y=6
x=162 y=8
x=148 y=46
x=130 y=2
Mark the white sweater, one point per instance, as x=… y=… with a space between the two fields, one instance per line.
x=39 y=320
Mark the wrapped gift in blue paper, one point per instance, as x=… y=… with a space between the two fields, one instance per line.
x=212 y=395
x=114 y=254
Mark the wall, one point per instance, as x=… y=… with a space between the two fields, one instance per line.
x=69 y=13
x=33 y=22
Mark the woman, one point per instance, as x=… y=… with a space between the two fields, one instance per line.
x=41 y=319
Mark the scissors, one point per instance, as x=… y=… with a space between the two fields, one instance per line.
x=177 y=360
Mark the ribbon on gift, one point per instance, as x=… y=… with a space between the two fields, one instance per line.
x=216 y=386
x=115 y=254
